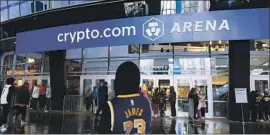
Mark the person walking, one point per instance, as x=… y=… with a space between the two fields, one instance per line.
x=23 y=98
x=35 y=97
x=6 y=96
x=193 y=103
x=95 y=98
x=129 y=112
x=48 y=98
x=102 y=97
x=155 y=102
x=162 y=103
x=201 y=105
x=88 y=99
x=172 y=101
x=42 y=96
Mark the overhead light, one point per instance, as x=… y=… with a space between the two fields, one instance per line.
x=31 y=60
x=220 y=42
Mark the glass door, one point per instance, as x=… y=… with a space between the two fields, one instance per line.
x=164 y=86
x=182 y=88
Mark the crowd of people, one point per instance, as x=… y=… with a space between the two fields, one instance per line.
x=19 y=97
x=259 y=106
x=198 y=104
x=128 y=110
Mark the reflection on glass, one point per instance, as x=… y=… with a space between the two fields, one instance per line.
x=73 y=66
x=87 y=85
x=74 y=53
x=183 y=87
x=34 y=63
x=95 y=66
x=59 y=3
x=220 y=88
x=73 y=85
x=148 y=85
x=261 y=85
x=14 y=9
x=26 y=8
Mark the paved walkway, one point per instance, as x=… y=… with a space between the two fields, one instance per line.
x=54 y=123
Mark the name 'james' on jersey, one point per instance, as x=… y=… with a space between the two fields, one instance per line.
x=130 y=114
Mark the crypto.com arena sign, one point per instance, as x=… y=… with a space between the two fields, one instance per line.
x=187 y=27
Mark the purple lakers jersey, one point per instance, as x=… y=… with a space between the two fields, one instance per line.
x=130 y=114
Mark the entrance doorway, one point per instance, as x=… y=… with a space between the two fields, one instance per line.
x=260 y=83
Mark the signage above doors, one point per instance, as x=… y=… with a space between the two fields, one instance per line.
x=188 y=27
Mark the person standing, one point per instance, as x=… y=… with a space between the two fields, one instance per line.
x=23 y=98
x=42 y=96
x=162 y=103
x=193 y=103
x=129 y=112
x=48 y=98
x=201 y=105
x=155 y=102
x=35 y=97
x=102 y=97
x=95 y=98
x=6 y=96
x=172 y=101
x=88 y=99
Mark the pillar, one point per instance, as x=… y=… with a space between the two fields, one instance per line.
x=57 y=78
x=239 y=77
x=154 y=7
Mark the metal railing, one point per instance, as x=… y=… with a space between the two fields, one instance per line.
x=73 y=103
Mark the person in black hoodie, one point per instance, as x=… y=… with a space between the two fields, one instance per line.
x=117 y=116
x=23 y=98
x=6 y=97
x=172 y=101
x=194 y=96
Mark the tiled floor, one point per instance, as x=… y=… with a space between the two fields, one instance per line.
x=54 y=123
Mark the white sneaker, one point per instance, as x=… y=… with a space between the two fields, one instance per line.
x=23 y=122
x=46 y=111
x=4 y=128
x=261 y=120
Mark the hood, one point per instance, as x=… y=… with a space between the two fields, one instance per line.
x=127 y=79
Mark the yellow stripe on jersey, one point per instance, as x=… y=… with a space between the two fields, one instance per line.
x=112 y=114
x=128 y=95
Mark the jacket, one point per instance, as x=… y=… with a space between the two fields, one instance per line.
x=35 y=93
x=173 y=96
x=23 y=96
x=48 y=92
x=103 y=94
x=6 y=94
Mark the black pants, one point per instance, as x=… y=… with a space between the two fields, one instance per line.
x=88 y=102
x=48 y=103
x=42 y=101
x=100 y=107
x=161 y=109
x=266 y=113
x=34 y=103
x=195 y=111
x=21 y=110
x=5 y=113
x=202 y=112
x=173 y=110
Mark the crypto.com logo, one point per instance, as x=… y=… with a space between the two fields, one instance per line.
x=153 y=29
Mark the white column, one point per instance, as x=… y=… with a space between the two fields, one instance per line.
x=210 y=97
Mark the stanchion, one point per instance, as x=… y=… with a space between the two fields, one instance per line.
x=243 y=120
